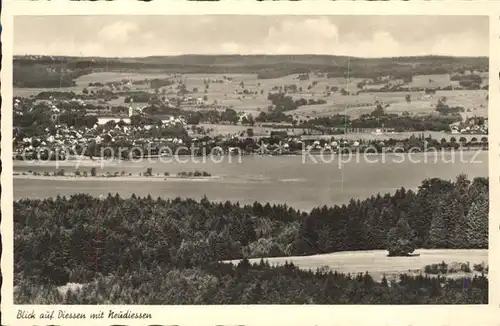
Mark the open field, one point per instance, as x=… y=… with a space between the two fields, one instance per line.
x=226 y=93
x=104 y=77
x=377 y=264
x=229 y=93
x=421 y=103
x=442 y=80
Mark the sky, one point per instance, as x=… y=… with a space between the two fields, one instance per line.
x=360 y=36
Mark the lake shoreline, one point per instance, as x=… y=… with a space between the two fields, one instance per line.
x=113 y=178
x=85 y=161
x=256 y=179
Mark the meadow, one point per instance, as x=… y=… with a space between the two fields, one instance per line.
x=395 y=102
x=377 y=263
x=227 y=93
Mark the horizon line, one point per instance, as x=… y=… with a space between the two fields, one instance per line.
x=249 y=55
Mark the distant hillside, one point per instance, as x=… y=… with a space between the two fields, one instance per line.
x=266 y=66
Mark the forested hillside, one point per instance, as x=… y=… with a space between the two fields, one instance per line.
x=75 y=239
x=46 y=71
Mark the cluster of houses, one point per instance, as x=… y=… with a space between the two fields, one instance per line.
x=193 y=101
x=64 y=138
x=67 y=139
x=473 y=125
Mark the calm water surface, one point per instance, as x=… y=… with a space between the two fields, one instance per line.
x=280 y=179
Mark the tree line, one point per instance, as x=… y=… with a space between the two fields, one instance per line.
x=423 y=65
x=50 y=76
x=399 y=123
x=282 y=102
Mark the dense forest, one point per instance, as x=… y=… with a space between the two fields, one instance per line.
x=38 y=76
x=76 y=239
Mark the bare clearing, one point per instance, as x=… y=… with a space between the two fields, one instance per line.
x=376 y=262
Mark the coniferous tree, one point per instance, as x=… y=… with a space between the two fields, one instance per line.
x=326 y=238
x=308 y=236
x=427 y=203
x=355 y=235
x=401 y=239
x=459 y=235
x=328 y=290
x=452 y=211
x=374 y=231
x=477 y=223
x=438 y=235
x=462 y=185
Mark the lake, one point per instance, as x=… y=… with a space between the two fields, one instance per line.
x=279 y=179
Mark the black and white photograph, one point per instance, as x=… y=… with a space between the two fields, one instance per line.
x=250 y=159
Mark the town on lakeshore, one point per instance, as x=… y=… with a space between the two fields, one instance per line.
x=127 y=190
x=249 y=113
